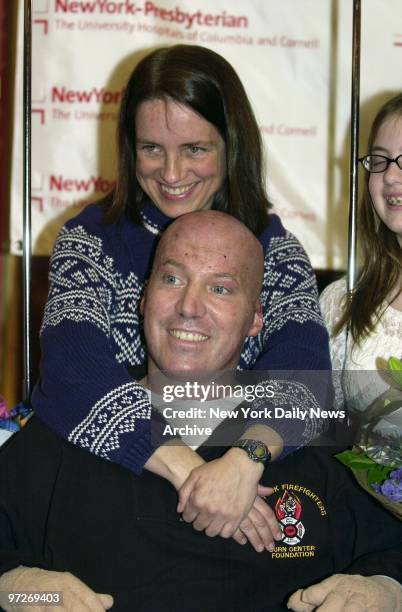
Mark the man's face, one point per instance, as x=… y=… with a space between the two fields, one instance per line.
x=202 y=298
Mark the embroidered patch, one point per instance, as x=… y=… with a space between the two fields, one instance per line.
x=289 y=510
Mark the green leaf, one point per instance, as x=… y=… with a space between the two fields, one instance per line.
x=395 y=369
x=378 y=474
x=353 y=459
x=345 y=456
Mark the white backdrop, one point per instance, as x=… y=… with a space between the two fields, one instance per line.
x=294 y=58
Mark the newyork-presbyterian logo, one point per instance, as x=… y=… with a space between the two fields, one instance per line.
x=150 y=9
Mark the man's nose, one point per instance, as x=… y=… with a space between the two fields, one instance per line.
x=172 y=169
x=191 y=303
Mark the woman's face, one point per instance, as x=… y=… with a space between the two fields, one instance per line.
x=386 y=187
x=181 y=158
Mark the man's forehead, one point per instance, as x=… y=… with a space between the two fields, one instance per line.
x=210 y=254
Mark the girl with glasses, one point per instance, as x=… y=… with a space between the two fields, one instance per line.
x=373 y=316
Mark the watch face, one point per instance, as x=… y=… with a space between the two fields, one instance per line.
x=259 y=452
x=256 y=450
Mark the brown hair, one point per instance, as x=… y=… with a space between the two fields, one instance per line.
x=381 y=252
x=203 y=80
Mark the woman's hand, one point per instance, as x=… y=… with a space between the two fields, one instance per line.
x=220 y=498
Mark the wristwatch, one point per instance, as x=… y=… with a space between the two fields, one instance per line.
x=255 y=449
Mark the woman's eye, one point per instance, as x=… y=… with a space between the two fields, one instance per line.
x=195 y=149
x=149 y=148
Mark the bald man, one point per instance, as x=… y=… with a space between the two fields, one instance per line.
x=201 y=302
x=143 y=539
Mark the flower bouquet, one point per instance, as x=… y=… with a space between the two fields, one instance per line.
x=376 y=459
x=12 y=420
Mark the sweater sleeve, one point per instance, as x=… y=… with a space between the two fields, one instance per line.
x=90 y=331
x=292 y=352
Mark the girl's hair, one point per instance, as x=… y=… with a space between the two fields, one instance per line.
x=203 y=80
x=381 y=252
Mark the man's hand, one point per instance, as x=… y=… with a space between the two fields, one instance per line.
x=219 y=495
x=344 y=593
x=77 y=596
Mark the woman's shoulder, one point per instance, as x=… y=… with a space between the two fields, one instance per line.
x=90 y=226
x=273 y=229
x=276 y=236
x=87 y=237
x=90 y=218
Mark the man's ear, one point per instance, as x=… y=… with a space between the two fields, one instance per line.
x=258 y=320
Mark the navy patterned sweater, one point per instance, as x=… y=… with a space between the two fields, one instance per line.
x=91 y=334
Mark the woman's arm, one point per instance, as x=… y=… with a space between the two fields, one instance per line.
x=222 y=497
x=90 y=334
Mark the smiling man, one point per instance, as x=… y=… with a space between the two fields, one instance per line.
x=202 y=299
x=201 y=302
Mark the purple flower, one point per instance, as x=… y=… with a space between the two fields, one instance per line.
x=392 y=490
x=376 y=487
x=3 y=408
x=397 y=474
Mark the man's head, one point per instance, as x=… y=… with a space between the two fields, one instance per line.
x=202 y=299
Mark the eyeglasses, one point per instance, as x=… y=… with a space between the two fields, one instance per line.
x=379 y=163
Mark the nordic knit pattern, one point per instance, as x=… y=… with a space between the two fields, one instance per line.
x=91 y=333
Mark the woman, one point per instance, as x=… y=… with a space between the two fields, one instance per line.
x=188 y=140
x=374 y=313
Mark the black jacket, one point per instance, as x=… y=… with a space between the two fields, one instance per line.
x=64 y=509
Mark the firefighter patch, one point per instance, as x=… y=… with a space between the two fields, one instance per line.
x=293 y=510
x=288 y=510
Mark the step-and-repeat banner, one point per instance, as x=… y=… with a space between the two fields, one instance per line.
x=293 y=56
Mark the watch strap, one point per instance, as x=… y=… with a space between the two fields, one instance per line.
x=255 y=449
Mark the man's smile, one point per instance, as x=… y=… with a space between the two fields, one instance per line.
x=182 y=334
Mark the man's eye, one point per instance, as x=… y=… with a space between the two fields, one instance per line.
x=170 y=279
x=220 y=290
